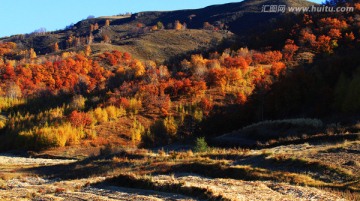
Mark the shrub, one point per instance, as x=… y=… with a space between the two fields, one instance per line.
x=201 y=145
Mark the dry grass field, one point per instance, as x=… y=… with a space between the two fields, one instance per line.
x=289 y=172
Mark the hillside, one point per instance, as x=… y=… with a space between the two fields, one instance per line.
x=200 y=100
x=120 y=77
x=164 y=44
x=133 y=32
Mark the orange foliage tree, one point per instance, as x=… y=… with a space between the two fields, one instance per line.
x=80 y=119
x=289 y=50
x=178 y=25
x=278 y=68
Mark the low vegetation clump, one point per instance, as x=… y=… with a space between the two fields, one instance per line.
x=201 y=145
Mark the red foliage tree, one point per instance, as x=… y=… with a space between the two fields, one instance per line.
x=323 y=44
x=289 y=50
x=241 y=98
x=80 y=119
x=349 y=36
x=332 y=23
x=217 y=77
x=236 y=62
x=307 y=38
x=334 y=33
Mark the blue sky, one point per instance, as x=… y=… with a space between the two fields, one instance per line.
x=25 y=16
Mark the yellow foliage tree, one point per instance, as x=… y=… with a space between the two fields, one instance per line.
x=139 y=69
x=78 y=102
x=51 y=136
x=170 y=126
x=137 y=131
x=114 y=112
x=101 y=115
x=2 y=122
x=32 y=54
x=134 y=105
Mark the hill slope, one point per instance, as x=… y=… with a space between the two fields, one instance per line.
x=135 y=33
x=164 y=44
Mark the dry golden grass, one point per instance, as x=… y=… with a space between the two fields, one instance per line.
x=280 y=168
x=162 y=44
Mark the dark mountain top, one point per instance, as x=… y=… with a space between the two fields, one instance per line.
x=239 y=16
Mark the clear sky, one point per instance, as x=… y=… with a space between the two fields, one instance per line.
x=25 y=16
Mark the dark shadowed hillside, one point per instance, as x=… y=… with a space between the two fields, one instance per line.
x=239 y=17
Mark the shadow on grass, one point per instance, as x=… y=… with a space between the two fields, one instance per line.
x=132 y=181
x=92 y=166
x=249 y=173
x=315 y=170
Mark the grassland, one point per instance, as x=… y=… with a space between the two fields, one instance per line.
x=292 y=172
x=162 y=44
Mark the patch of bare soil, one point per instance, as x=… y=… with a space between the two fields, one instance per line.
x=7 y=159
